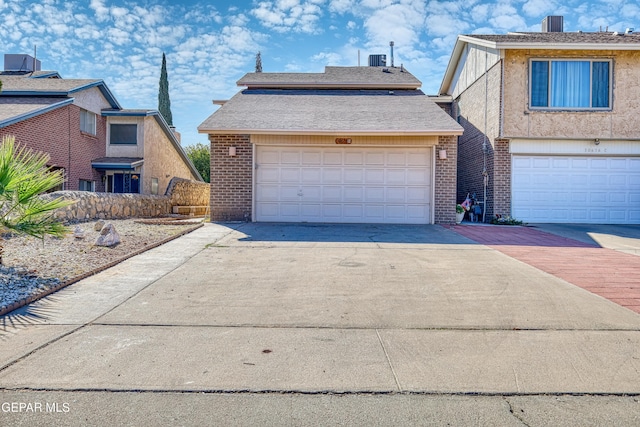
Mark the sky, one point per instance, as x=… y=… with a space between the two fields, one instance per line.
x=210 y=45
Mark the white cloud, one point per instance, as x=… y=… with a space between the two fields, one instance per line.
x=289 y=16
x=539 y=8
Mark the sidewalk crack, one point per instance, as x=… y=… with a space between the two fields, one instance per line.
x=386 y=354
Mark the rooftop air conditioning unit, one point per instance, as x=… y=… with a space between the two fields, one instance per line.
x=553 y=24
x=21 y=62
x=377 y=60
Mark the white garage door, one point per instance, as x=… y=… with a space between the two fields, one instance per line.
x=344 y=184
x=563 y=189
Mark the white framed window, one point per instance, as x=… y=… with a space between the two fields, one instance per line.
x=87 y=185
x=123 y=134
x=580 y=84
x=87 y=122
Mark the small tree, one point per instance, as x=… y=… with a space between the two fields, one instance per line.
x=201 y=158
x=24 y=175
x=164 y=103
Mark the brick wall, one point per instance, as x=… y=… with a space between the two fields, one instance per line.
x=445 y=181
x=231 y=178
x=479 y=112
x=502 y=178
x=58 y=134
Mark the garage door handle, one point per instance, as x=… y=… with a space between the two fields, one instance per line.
x=299 y=192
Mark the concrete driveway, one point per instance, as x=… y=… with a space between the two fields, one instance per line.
x=322 y=324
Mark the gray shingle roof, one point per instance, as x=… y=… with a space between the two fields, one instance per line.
x=12 y=83
x=624 y=41
x=16 y=108
x=264 y=111
x=336 y=77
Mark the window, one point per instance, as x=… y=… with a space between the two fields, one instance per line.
x=87 y=122
x=124 y=134
x=154 y=185
x=86 y=185
x=575 y=84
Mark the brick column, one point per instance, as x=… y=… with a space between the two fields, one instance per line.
x=501 y=178
x=231 y=178
x=445 y=184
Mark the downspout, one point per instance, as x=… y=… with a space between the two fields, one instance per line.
x=485 y=147
x=69 y=143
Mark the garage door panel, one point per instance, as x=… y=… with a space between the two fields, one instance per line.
x=576 y=189
x=331 y=176
x=354 y=194
x=310 y=175
x=396 y=177
x=353 y=176
x=268 y=174
x=350 y=184
x=290 y=175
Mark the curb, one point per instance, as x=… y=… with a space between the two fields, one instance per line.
x=21 y=303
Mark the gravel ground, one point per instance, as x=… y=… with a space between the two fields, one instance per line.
x=32 y=266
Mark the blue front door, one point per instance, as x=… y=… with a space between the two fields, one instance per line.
x=126 y=183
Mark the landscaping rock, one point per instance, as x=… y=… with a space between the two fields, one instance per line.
x=108 y=236
x=98 y=225
x=78 y=232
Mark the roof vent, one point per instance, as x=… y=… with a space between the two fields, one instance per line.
x=553 y=24
x=21 y=62
x=378 y=60
x=629 y=30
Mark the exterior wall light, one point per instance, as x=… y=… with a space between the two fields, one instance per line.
x=597 y=141
x=442 y=154
x=232 y=151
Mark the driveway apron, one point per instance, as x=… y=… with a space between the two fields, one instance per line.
x=612 y=274
x=358 y=310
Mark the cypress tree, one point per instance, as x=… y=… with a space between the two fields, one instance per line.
x=164 y=103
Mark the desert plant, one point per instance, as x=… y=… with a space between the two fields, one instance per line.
x=24 y=175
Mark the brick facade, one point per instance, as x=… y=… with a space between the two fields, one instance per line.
x=479 y=113
x=502 y=178
x=231 y=178
x=58 y=134
x=445 y=183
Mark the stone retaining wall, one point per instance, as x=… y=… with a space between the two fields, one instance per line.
x=90 y=205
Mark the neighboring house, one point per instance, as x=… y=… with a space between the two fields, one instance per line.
x=551 y=120
x=87 y=134
x=350 y=145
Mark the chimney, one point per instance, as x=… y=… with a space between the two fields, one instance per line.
x=553 y=24
x=391 y=45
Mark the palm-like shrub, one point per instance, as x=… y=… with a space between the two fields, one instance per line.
x=24 y=175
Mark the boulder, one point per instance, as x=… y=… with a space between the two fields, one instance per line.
x=108 y=236
x=98 y=225
x=78 y=232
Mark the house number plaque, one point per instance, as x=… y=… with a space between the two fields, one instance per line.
x=343 y=140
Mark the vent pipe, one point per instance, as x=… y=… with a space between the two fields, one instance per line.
x=391 y=45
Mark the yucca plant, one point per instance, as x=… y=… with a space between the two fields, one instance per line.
x=24 y=175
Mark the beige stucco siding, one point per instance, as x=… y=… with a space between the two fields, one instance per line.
x=161 y=159
x=520 y=121
x=355 y=140
x=126 y=150
x=91 y=100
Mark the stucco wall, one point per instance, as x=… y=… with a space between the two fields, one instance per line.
x=161 y=159
x=621 y=122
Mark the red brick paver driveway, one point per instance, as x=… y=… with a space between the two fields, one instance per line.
x=611 y=274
